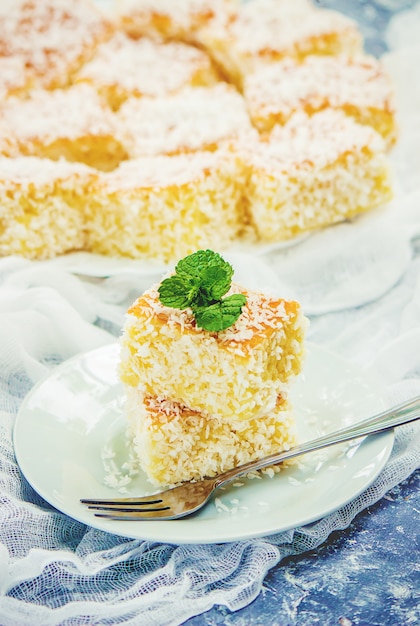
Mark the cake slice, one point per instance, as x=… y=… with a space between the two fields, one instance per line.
x=124 y=68
x=42 y=206
x=266 y=31
x=207 y=367
x=73 y=124
x=357 y=86
x=236 y=374
x=315 y=171
x=174 y=443
x=163 y=207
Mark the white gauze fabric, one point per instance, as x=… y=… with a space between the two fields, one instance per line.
x=360 y=284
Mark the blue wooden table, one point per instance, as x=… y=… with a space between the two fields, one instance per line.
x=365 y=575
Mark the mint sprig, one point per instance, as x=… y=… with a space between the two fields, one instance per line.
x=200 y=282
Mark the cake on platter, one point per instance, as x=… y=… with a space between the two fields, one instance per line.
x=313 y=172
x=207 y=366
x=161 y=206
x=42 y=206
x=230 y=93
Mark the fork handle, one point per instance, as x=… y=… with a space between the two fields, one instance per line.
x=386 y=420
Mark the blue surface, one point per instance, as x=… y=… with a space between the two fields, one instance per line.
x=372 y=15
x=365 y=575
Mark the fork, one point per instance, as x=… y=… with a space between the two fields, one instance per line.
x=189 y=497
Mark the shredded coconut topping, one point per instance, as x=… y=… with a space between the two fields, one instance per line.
x=190 y=120
x=50 y=35
x=13 y=76
x=36 y=171
x=183 y=12
x=336 y=81
x=279 y=25
x=318 y=140
x=161 y=171
x=259 y=313
x=48 y=115
x=145 y=66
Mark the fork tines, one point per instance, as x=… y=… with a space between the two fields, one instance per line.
x=129 y=508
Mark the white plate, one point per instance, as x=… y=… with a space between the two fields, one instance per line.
x=68 y=419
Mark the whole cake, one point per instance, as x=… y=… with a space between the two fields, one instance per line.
x=207 y=366
x=205 y=124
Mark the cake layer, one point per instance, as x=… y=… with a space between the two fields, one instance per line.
x=236 y=374
x=266 y=31
x=313 y=172
x=42 y=206
x=124 y=68
x=165 y=207
x=199 y=118
x=175 y=444
x=357 y=86
x=65 y=123
x=53 y=38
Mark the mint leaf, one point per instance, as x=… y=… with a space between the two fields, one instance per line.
x=177 y=292
x=200 y=281
x=220 y=315
x=194 y=264
x=216 y=281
